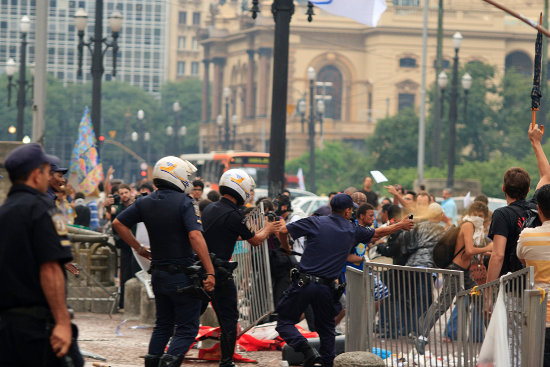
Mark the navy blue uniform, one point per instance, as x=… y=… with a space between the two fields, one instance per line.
x=169 y=216
x=223 y=224
x=33 y=232
x=329 y=241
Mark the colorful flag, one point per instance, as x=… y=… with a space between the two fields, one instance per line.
x=367 y=12
x=84 y=159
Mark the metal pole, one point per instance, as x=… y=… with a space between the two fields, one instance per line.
x=544 y=63
x=97 y=71
x=466 y=107
x=226 y=143
x=422 y=119
x=39 y=83
x=22 y=88
x=176 y=132
x=311 y=124
x=438 y=102
x=452 y=123
x=282 y=12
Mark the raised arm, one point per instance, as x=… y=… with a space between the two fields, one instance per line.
x=535 y=136
x=268 y=229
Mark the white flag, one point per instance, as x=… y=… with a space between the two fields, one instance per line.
x=378 y=176
x=301 y=183
x=468 y=200
x=367 y=12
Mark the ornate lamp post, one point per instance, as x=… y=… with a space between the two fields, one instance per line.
x=302 y=112
x=466 y=85
x=226 y=137
x=234 y=123
x=176 y=108
x=95 y=45
x=24 y=27
x=457 y=39
x=442 y=81
x=320 y=114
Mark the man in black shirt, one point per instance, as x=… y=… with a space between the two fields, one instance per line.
x=224 y=223
x=35 y=326
x=372 y=197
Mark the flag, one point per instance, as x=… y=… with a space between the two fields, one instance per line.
x=367 y=12
x=84 y=159
x=301 y=182
x=468 y=200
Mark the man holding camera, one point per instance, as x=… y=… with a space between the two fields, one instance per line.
x=116 y=204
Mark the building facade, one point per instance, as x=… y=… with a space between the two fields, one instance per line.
x=143 y=40
x=362 y=73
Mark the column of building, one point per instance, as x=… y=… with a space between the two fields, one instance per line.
x=263 y=76
x=249 y=113
x=219 y=63
x=206 y=91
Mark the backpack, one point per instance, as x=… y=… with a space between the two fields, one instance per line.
x=527 y=218
x=401 y=245
x=444 y=250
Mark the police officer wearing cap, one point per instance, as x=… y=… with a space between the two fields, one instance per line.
x=56 y=183
x=330 y=239
x=174 y=227
x=35 y=326
x=224 y=223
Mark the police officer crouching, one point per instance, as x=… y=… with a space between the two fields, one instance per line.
x=330 y=239
x=174 y=227
x=224 y=223
x=35 y=326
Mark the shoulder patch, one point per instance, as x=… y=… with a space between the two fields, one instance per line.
x=60 y=224
x=197 y=212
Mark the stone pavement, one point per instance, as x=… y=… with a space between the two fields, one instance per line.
x=98 y=335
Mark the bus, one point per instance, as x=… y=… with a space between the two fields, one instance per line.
x=210 y=166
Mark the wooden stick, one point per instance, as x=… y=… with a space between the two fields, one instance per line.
x=534 y=118
x=519 y=16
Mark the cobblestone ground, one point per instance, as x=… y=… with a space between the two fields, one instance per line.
x=98 y=335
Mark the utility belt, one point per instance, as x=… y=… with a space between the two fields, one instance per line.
x=36 y=312
x=175 y=268
x=223 y=268
x=304 y=279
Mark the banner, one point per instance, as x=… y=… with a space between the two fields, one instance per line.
x=367 y=12
x=84 y=158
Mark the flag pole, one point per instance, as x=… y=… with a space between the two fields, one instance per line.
x=519 y=16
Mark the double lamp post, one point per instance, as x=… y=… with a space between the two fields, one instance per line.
x=227 y=134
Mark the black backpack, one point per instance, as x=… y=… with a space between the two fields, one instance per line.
x=527 y=218
x=444 y=250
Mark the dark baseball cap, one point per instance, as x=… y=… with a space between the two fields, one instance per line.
x=55 y=165
x=25 y=158
x=341 y=202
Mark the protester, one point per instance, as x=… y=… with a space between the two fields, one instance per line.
x=82 y=212
x=372 y=197
x=198 y=189
x=449 y=206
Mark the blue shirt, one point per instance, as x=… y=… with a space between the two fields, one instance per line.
x=449 y=207
x=169 y=216
x=329 y=241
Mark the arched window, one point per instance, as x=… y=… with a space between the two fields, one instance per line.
x=519 y=62
x=407 y=62
x=333 y=105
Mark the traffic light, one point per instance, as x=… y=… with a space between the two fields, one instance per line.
x=143 y=173
x=101 y=138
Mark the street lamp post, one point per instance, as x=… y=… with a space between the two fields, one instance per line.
x=219 y=121
x=302 y=112
x=466 y=85
x=320 y=114
x=457 y=39
x=169 y=134
x=234 y=123
x=176 y=108
x=115 y=22
x=442 y=81
x=140 y=116
x=226 y=137
x=24 y=27
x=311 y=77
x=147 y=138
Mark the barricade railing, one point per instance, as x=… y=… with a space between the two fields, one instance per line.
x=390 y=306
x=253 y=276
x=525 y=311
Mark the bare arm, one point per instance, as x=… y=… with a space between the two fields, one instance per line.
x=535 y=136
x=282 y=235
x=404 y=223
x=199 y=246
x=497 y=257
x=397 y=197
x=352 y=258
x=268 y=229
x=52 y=282
x=127 y=236
x=467 y=230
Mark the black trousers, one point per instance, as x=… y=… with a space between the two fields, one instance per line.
x=25 y=341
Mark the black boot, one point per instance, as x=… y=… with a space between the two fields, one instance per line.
x=311 y=356
x=227 y=347
x=168 y=360
x=152 y=360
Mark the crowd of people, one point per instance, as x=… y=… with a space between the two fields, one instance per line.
x=187 y=221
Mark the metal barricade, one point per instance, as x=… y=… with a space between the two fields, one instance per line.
x=525 y=310
x=389 y=305
x=253 y=277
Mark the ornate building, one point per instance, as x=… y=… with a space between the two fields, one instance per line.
x=362 y=74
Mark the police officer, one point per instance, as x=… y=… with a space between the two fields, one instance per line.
x=329 y=241
x=56 y=183
x=35 y=326
x=174 y=227
x=224 y=223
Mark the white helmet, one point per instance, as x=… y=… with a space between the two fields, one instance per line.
x=238 y=184
x=176 y=171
